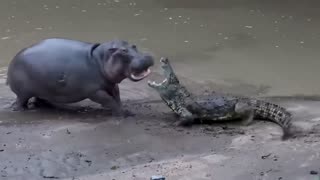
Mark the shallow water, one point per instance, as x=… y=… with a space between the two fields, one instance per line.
x=262 y=43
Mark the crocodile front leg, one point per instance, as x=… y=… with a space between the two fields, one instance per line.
x=186 y=118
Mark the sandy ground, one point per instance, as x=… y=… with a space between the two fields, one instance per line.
x=82 y=141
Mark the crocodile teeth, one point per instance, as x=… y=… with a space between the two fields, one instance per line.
x=153 y=83
x=165 y=80
x=157 y=84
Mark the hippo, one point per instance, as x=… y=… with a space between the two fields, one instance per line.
x=62 y=71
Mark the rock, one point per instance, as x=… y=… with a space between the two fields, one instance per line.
x=313 y=172
x=157 y=178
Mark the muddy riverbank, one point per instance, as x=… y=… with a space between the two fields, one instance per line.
x=247 y=47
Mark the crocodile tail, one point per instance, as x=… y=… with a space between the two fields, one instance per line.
x=275 y=113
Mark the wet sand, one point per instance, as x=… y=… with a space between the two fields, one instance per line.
x=82 y=141
x=243 y=47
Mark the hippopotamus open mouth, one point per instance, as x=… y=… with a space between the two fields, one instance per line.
x=126 y=61
x=140 y=68
x=140 y=76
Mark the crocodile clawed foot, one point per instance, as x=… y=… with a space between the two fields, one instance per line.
x=290 y=132
x=248 y=117
x=287 y=134
x=184 y=123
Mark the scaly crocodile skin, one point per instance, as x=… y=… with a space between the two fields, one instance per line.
x=216 y=107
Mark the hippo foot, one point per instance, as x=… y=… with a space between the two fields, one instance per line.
x=127 y=113
x=40 y=103
x=16 y=107
x=122 y=113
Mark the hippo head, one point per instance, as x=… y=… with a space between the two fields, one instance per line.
x=121 y=60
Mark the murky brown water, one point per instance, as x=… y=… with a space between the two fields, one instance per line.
x=269 y=43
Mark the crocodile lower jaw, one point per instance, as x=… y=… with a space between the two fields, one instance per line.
x=158 y=84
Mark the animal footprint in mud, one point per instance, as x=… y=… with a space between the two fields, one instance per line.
x=52 y=169
x=60 y=166
x=76 y=160
x=72 y=158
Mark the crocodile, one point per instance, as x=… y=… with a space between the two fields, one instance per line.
x=216 y=106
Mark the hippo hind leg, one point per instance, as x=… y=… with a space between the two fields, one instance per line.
x=18 y=83
x=21 y=102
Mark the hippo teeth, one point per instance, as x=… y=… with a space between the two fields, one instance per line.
x=141 y=75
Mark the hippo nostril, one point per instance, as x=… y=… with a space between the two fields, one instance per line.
x=124 y=50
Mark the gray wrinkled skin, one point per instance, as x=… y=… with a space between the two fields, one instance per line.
x=68 y=71
x=216 y=107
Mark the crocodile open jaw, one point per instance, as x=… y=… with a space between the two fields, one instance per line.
x=163 y=62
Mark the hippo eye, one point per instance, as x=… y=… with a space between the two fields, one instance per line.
x=112 y=50
x=134 y=46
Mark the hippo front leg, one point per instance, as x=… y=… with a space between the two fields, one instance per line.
x=106 y=100
x=116 y=96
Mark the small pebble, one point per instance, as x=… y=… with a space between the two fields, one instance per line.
x=157 y=178
x=114 y=167
x=313 y=172
x=265 y=156
x=7 y=37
